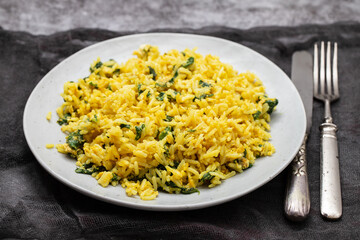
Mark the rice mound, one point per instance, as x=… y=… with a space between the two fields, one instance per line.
x=169 y=122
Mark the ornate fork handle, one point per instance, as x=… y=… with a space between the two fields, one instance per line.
x=297 y=201
x=330 y=189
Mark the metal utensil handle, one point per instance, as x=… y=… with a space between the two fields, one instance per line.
x=297 y=200
x=330 y=189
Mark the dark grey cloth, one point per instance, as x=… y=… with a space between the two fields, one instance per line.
x=35 y=205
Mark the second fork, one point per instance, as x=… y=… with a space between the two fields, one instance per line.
x=326 y=89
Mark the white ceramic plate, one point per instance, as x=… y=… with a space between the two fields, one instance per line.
x=287 y=125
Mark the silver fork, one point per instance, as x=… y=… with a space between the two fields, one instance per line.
x=326 y=89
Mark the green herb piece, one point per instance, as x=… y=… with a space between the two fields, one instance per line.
x=93 y=85
x=139 y=89
x=152 y=72
x=148 y=94
x=206 y=177
x=115 y=178
x=191 y=130
x=182 y=189
x=176 y=164
x=203 y=97
x=166 y=148
x=64 y=120
x=83 y=171
x=204 y=84
x=256 y=115
x=189 y=190
x=116 y=71
x=95 y=119
x=75 y=140
x=272 y=104
x=98 y=65
x=139 y=131
x=171 y=184
x=168 y=118
x=164 y=133
x=250 y=165
x=184 y=54
x=189 y=62
x=89 y=169
x=161 y=167
x=109 y=87
x=161 y=96
x=136 y=178
x=88 y=165
x=245 y=153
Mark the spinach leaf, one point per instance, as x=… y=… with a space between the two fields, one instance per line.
x=189 y=190
x=94 y=85
x=204 y=84
x=182 y=189
x=191 y=130
x=161 y=167
x=203 y=96
x=95 y=119
x=168 y=118
x=256 y=115
x=139 y=89
x=152 y=72
x=83 y=171
x=89 y=169
x=116 y=71
x=171 y=98
x=164 y=133
x=115 y=178
x=176 y=164
x=272 y=104
x=98 y=65
x=161 y=96
x=206 y=177
x=75 y=140
x=124 y=125
x=139 y=131
x=189 y=62
x=64 y=120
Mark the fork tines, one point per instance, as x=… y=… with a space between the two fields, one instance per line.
x=328 y=75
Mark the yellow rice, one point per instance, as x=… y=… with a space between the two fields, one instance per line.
x=169 y=122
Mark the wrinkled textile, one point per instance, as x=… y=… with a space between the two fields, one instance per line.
x=35 y=205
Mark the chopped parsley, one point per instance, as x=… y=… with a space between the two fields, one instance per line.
x=139 y=89
x=64 y=120
x=272 y=104
x=182 y=189
x=168 y=118
x=124 y=125
x=164 y=133
x=139 y=130
x=152 y=72
x=204 y=84
x=203 y=96
x=206 y=177
x=161 y=96
x=75 y=140
x=189 y=62
x=93 y=85
x=256 y=115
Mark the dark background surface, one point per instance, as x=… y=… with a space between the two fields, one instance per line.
x=35 y=205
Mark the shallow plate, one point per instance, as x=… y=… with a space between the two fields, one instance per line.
x=287 y=125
